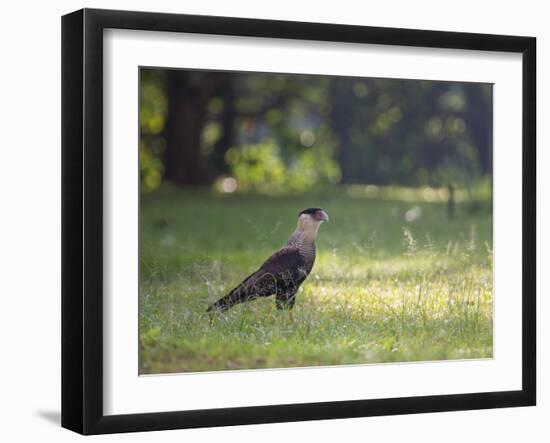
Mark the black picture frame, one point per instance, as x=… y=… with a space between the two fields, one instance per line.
x=82 y=220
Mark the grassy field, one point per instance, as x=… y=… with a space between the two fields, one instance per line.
x=395 y=280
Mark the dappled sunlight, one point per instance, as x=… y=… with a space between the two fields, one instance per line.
x=401 y=193
x=405 y=293
x=227 y=160
x=403 y=314
x=360 y=269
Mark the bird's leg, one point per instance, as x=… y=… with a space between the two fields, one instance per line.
x=285 y=300
x=291 y=302
x=285 y=303
x=281 y=301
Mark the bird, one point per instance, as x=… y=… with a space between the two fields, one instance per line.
x=284 y=271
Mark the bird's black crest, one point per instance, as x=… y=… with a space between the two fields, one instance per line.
x=309 y=211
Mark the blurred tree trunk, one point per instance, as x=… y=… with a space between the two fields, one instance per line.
x=341 y=116
x=479 y=121
x=188 y=94
x=227 y=122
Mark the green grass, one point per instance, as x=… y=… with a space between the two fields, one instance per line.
x=383 y=289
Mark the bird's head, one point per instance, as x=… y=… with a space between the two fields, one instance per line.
x=310 y=219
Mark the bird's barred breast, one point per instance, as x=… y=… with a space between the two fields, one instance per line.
x=307 y=250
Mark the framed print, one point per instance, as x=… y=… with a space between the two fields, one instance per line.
x=269 y=221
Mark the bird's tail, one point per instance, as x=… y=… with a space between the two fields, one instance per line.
x=221 y=305
x=236 y=296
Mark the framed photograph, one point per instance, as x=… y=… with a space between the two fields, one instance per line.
x=268 y=221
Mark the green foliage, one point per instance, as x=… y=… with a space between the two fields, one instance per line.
x=277 y=133
x=152 y=116
x=394 y=280
x=261 y=168
x=285 y=142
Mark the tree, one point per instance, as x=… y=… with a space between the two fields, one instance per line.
x=188 y=93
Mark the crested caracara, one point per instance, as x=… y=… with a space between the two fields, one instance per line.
x=282 y=273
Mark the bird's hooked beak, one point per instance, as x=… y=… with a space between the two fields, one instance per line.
x=321 y=216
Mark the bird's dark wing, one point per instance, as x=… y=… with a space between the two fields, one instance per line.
x=282 y=268
x=286 y=259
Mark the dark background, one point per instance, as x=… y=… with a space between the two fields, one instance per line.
x=277 y=133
